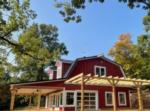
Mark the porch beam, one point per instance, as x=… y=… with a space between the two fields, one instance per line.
x=30 y=99
x=114 y=83
x=140 y=100
x=114 y=98
x=39 y=100
x=13 y=94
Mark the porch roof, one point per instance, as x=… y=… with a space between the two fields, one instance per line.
x=33 y=88
x=107 y=81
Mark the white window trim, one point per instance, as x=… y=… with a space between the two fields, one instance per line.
x=96 y=95
x=59 y=99
x=107 y=92
x=56 y=94
x=100 y=68
x=65 y=94
x=75 y=97
x=124 y=93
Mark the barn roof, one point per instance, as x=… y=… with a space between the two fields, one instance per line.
x=92 y=57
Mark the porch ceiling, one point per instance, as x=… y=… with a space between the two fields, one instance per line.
x=34 y=90
x=106 y=81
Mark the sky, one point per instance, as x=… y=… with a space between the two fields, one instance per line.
x=100 y=27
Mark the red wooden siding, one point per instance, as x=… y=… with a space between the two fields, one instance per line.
x=102 y=91
x=57 y=83
x=69 y=109
x=87 y=66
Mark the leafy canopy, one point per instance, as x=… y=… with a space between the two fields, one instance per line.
x=134 y=58
x=42 y=43
x=14 y=17
x=36 y=46
x=69 y=9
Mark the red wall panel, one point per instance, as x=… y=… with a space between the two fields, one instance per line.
x=87 y=66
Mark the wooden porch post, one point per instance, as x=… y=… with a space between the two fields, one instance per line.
x=30 y=99
x=113 y=83
x=114 y=98
x=82 y=92
x=139 y=98
x=46 y=101
x=13 y=93
x=39 y=100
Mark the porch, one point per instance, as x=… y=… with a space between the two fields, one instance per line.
x=44 y=109
x=31 y=91
x=114 y=82
x=83 y=80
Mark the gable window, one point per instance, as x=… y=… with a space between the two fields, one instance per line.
x=122 y=98
x=108 y=98
x=100 y=71
x=69 y=98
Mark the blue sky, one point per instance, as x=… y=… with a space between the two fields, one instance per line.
x=100 y=27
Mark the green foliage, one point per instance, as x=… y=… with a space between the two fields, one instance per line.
x=143 y=47
x=14 y=16
x=134 y=58
x=5 y=78
x=69 y=9
x=37 y=46
x=42 y=43
x=4 y=96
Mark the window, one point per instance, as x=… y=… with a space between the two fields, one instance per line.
x=54 y=100
x=122 y=98
x=70 y=98
x=89 y=100
x=57 y=100
x=60 y=99
x=108 y=98
x=99 y=70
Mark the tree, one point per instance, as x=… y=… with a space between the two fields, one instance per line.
x=134 y=58
x=4 y=79
x=40 y=41
x=69 y=9
x=14 y=17
x=123 y=53
x=143 y=46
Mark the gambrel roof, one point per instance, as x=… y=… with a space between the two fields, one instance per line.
x=92 y=57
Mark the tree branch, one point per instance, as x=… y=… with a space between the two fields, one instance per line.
x=146 y=3
x=18 y=46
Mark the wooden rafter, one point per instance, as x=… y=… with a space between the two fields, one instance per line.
x=82 y=80
x=107 y=80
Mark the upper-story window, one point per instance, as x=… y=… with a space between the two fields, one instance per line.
x=100 y=70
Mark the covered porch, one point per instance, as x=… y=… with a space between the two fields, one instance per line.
x=26 y=89
x=30 y=91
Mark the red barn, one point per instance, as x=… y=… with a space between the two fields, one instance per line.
x=67 y=97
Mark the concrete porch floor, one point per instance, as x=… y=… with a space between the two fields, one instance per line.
x=124 y=109
x=43 y=109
